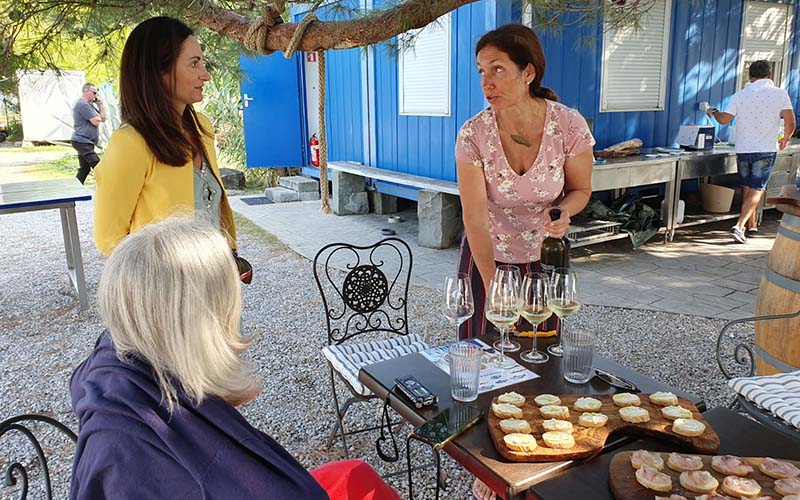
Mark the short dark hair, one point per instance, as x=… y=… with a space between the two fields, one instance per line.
x=760 y=69
x=150 y=52
x=522 y=46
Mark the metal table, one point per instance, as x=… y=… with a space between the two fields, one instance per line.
x=474 y=449
x=58 y=194
x=738 y=436
x=621 y=173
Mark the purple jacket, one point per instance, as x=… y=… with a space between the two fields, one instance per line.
x=130 y=447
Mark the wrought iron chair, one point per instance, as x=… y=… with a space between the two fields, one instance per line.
x=370 y=302
x=742 y=364
x=16 y=472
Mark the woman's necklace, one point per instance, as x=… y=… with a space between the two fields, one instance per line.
x=519 y=139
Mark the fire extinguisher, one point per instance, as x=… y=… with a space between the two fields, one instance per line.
x=314 y=145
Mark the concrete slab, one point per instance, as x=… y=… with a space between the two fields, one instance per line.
x=702 y=272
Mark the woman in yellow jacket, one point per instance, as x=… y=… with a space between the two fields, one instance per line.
x=162 y=159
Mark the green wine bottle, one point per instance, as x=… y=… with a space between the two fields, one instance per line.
x=555 y=251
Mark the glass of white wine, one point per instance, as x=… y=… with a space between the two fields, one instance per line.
x=508 y=275
x=534 y=309
x=502 y=310
x=563 y=299
x=457 y=302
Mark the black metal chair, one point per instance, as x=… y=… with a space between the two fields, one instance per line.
x=369 y=301
x=742 y=364
x=16 y=474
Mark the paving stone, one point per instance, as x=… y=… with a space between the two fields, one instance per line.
x=281 y=194
x=734 y=285
x=300 y=184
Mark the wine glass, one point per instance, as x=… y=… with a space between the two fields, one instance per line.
x=563 y=300
x=534 y=309
x=457 y=302
x=509 y=276
x=502 y=310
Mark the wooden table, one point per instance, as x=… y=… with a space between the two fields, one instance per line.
x=474 y=449
x=738 y=436
x=62 y=194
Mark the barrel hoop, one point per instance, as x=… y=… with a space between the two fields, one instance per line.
x=785 y=231
x=782 y=281
x=772 y=360
x=791 y=220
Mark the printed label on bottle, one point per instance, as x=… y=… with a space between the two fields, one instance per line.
x=547 y=270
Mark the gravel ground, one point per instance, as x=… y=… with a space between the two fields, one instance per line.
x=43 y=337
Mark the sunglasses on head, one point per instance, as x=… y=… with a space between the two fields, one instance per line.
x=244 y=267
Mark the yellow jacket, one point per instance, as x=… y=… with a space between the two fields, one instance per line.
x=135 y=189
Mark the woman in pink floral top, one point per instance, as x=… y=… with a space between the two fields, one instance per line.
x=516 y=159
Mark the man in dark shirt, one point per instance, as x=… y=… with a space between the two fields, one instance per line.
x=86 y=118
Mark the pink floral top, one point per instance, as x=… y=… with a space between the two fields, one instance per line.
x=518 y=203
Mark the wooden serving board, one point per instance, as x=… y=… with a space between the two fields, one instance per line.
x=622 y=479
x=590 y=441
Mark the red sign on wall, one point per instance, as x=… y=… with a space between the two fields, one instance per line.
x=311 y=57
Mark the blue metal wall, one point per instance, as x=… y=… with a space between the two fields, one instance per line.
x=702 y=65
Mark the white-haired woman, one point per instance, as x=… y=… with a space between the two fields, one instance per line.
x=155 y=399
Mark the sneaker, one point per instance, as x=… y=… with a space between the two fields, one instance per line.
x=738 y=235
x=750 y=233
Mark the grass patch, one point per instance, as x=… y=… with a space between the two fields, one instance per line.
x=36 y=149
x=57 y=169
x=246 y=226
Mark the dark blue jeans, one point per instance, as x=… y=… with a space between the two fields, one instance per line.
x=754 y=169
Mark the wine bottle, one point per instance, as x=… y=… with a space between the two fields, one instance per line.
x=555 y=251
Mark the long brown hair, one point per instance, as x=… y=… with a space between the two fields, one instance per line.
x=522 y=46
x=150 y=52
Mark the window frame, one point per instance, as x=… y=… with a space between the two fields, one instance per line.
x=446 y=109
x=664 y=71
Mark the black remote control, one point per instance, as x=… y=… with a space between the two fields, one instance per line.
x=414 y=390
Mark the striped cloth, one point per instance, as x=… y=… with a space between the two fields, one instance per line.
x=778 y=394
x=348 y=359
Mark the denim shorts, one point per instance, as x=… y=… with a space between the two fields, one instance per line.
x=754 y=169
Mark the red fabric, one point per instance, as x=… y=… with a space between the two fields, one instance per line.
x=353 y=480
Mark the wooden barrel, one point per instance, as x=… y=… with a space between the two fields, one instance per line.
x=777 y=342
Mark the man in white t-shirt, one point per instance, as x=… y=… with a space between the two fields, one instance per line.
x=758 y=109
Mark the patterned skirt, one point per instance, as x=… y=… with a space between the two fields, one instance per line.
x=477 y=324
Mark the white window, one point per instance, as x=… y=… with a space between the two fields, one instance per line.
x=765 y=35
x=634 y=75
x=424 y=71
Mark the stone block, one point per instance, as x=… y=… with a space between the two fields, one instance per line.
x=232 y=178
x=381 y=203
x=439 y=217
x=300 y=184
x=281 y=194
x=308 y=195
x=349 y=195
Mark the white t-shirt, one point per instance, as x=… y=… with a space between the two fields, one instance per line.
x=757 y=108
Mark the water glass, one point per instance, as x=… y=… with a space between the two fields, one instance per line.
x=465 y=369
x=578 y=346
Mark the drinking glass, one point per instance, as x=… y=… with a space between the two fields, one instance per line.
x=534 y=309
x=457 y=302
x=577 y=361
x=508 y=275
x=563 y=300
x=502 y=310
x=465 y=368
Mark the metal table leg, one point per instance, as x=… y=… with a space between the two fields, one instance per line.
x=72 y=247
x=435 y=459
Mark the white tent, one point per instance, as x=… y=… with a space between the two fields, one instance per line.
x=45 y=101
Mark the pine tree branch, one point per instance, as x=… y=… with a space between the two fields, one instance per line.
x=367 y=30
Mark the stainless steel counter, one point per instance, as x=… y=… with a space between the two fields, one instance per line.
x=634 y=171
